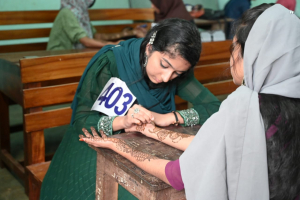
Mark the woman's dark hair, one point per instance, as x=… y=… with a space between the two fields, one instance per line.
x=283 y=148
x=174 y=37
x=282 y=116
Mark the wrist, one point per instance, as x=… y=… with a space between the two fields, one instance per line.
x=119 y=123
x=112 y=145
x=176 y=121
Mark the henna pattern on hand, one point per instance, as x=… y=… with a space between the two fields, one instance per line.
x=141 y=128
x=120 y=144
x=163 y=133
x=138 y=155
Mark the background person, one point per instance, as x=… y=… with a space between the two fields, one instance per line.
x=289 y=4
x=72 y=28
x=234 y=9
x=170 y=9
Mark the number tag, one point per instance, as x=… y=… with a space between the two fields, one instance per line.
x=115 y=98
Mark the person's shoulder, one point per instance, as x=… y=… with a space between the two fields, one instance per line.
x=65 y=12
x=240 y=97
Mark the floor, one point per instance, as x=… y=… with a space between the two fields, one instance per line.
x=11 y=188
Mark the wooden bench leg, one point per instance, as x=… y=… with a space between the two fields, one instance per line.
x=34 y=151
x=106 y=186
x=33 y=189
x=4 y=125
x=34 y=143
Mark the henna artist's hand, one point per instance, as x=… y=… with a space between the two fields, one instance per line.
x=137 y=115
x=96 y=140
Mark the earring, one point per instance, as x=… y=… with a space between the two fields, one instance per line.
x=243 y=82
x=146 y=60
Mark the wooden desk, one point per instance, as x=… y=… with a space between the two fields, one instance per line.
x=212 y=24
x=113 y=169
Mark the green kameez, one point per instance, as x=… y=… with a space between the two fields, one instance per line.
x=72 y=173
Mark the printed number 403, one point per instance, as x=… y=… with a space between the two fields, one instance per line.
x=107 y=95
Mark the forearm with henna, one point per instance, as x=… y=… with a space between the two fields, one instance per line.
x=139 y=156
x=171 y=138
x=155 y=166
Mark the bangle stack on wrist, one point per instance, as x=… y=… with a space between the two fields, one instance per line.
x=176 y=119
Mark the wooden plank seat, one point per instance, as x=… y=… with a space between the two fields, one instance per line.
x=138 y=15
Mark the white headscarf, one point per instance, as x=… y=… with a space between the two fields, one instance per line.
x=80 y=10
x=227 y=159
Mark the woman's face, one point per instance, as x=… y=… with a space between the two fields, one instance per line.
x=237 y=65
x=163 y=68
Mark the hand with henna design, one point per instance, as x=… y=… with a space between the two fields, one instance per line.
x=114 y=144
x=96 y=140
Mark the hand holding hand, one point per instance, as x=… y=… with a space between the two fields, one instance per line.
x=137 y=115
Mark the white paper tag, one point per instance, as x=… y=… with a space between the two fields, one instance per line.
x=115 y=99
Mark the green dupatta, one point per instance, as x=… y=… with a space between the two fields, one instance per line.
x=127 y=55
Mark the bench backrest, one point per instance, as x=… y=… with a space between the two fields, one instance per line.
x=140 y=15
x=50 y=81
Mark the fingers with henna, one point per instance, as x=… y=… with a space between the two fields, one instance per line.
x=94 y=132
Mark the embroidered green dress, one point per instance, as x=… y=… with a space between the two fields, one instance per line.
x=72 y=173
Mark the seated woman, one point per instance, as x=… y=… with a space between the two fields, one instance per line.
x=155 y=69
x=72 y=28
x=170 y=9
x=249 y=149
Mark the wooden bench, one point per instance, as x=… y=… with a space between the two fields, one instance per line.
x=138 y=15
